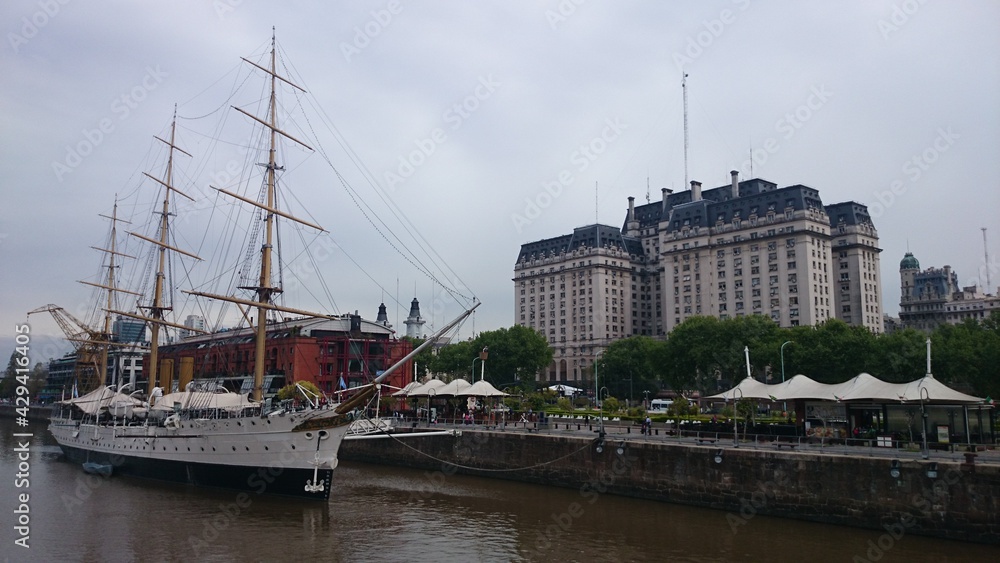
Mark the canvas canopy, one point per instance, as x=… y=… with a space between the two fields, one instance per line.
x=749 y=388
x=424 y=390
x=453 y=387
x=482 y=388
x=406 y=389
x=101 y=400
x=863 y=387
x=233 y=402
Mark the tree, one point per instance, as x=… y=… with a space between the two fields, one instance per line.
x=455 y=359
x=290 y=391
x=627 y=367
x=517 y=353
x=688 y=360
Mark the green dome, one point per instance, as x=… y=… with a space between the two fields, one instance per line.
x=909 y=262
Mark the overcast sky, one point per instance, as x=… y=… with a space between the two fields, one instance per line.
x=519 y=109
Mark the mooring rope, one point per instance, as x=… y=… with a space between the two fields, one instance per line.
x=588 y=445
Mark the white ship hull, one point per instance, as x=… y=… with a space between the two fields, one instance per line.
x=272 y=455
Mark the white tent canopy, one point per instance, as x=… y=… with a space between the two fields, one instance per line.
x=482 y=388
x=749 y=388
x=453 y=388
x=863 y=387
x=102 y=399
x=406 y=389
x=425 y=389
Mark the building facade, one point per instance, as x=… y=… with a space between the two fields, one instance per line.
x=932 y=297
x=331 y=353
x=746 y=248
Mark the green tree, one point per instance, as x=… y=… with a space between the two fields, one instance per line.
x=688 y=360
x=517 y=353
x=290 y=391
x=455 y=359
x=627 y=367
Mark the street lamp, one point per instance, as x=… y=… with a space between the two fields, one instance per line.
x=924 y=395
x=784 y=407
x=736 y=432
x=597 y=393
x=601 y=420
x=482 y=357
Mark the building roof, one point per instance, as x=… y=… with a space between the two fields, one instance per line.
x=591 y=236
x=909 y=262
x=756 y=197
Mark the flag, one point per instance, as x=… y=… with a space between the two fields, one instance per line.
x=773 y=398
x=989 y=401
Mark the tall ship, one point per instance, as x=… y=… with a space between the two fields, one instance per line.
x=202 y=433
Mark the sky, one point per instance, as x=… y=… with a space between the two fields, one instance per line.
x=488 y=125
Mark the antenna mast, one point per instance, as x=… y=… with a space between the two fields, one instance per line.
x=986 y=257
x=685 y=96
x=596 y=218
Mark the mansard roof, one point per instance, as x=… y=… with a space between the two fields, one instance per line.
x=591 y=236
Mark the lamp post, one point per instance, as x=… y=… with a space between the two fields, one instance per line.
x=924 y=395
x=482 y=365
x=736 y=432
x=597 y=393
x=601 y=419
x=784 y=406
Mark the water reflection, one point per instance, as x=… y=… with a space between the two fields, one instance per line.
x=382 y=513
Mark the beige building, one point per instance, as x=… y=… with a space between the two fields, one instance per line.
x=932 y=297
x=746 y=248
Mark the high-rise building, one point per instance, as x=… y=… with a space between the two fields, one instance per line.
x=746 y=248
x=195 y=322
x=129 y=330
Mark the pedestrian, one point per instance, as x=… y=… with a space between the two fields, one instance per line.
x=649 y=426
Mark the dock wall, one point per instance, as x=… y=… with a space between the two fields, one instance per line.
x=962 y=502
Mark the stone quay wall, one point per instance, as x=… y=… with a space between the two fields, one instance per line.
x=962 y=502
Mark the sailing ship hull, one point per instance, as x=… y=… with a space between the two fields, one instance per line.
x=258 y=455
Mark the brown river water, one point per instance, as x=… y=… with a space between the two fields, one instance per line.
x=382 y=513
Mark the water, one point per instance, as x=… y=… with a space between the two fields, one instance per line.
x=394 y=514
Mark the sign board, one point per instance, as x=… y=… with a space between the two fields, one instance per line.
x=942 y=434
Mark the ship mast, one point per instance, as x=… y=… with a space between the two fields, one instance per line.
x=155 y=317
x=112 y=252
x=264 y=290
